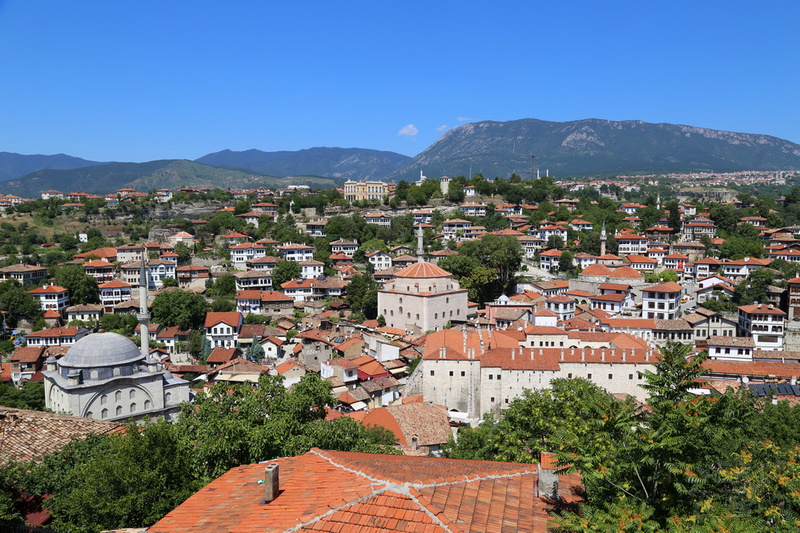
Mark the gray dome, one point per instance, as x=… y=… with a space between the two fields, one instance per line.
x=101 y=349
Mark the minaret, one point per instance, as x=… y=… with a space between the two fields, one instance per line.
x=144 y=314
x=419 y=244
x=603 y=239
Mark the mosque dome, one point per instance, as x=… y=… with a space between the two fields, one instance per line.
x=101 y=350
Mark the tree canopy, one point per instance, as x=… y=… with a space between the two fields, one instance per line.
x=177 y=307
x=82 y=287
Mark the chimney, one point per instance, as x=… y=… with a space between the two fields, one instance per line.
x=531 y=353
x=415 y=442
x=548 y=479
x=271 y=482
x=513 y=354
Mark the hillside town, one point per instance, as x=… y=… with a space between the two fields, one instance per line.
x=424 y=307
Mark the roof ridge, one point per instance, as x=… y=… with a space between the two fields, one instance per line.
x=403 y=488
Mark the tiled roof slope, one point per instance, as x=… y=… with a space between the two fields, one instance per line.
x=348 y=491
x=423 y=269
x=26 y=435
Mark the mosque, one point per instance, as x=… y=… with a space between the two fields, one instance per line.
x=107 y=377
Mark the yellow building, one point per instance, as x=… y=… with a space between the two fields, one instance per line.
x=365 y=190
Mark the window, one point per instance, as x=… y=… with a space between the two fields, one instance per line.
x=611 y=376
x=491 y=376
x=432 y=373
x=132 y=394
x=588 y=376
x=491 y=399
x=463 y=374
x=630 y=376
x=103 y=399
x=118 y=396
x=133 y=407
x=451 y=373
x=119 y=410
x=104 y=413
x=569 y=376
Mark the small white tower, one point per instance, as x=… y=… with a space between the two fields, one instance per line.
x=603 y=239
x=144 y=314
x=420 y=247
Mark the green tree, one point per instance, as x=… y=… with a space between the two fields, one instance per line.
x=122 y=324
x=533 y=423
x=223 y=287
x=455 y=190
x=17 y=302
x=503 y=254
x=241 y=424
x=662 y=277
x=30 y=396
x=362 y=294
x=754 y=288
x=122 y=481
x=555 y=242
x=565 y=262
x=82 y=287
x=184 y=253
x=176 y=307
x=285 y=271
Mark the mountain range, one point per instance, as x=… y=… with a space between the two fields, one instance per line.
x=591 y=147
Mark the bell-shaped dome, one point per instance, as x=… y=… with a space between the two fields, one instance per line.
x=101 y=349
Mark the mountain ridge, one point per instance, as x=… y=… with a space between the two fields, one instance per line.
x=150 y=175
x=333 y=162
x=587 y=147
x=597 y=147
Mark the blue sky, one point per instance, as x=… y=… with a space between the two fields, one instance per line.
x=144 y=80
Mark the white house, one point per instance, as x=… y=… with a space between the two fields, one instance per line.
x=222 y=329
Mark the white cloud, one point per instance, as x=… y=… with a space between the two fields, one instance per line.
x=465 y=119
x=443 y=127
x=409 y=130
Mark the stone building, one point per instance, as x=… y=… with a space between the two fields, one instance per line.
x=422 y=297
x=105 y=376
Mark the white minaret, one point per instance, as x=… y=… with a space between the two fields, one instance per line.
x=144 y=314
x=420 y=251
x=603 y=239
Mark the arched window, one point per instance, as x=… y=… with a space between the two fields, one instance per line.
x=118 y=396
x=104 y=414
x=133 y=407
x=103 y=399
x=119 y=410
x=132 y=394
x=147 y=405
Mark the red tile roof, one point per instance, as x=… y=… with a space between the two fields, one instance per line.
x=761 y=309
x=231 y=318
x=625 y=272
x=348 y=491
x=596 y=270
x=423 y=269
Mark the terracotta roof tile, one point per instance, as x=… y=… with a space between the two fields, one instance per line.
x=30 y=435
